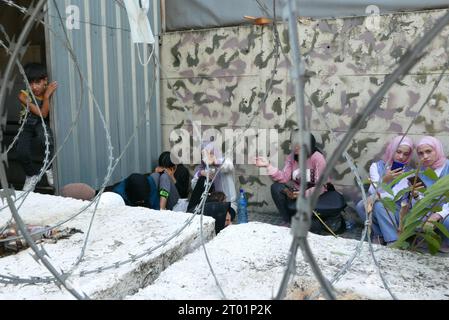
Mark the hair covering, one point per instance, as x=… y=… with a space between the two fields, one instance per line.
x=210 y=146
x=295 y=141
x=438 y=147
x=79 y=191
x=110 y=200
x=394 y=145
x=138 y=189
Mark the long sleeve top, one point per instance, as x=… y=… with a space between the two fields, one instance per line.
x=376 y=177
x=315 y=162
x=440 y=172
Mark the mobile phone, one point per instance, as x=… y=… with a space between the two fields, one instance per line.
x=412 y=180
x=291 y=186
x=397 y=165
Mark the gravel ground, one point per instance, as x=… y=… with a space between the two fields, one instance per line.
x=274 y=218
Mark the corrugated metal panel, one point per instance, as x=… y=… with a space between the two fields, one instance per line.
x=118 y=82
x=200 y=14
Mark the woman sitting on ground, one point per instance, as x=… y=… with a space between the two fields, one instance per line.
x=385 y=224
x=431 y=155
x=290 y=175
x=222 y=201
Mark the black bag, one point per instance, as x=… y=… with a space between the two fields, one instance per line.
x=329 y=207
x=218 y=211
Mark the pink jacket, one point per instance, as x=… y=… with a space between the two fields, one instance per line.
x=316 y=162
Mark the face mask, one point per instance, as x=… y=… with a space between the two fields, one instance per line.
x=138 y=21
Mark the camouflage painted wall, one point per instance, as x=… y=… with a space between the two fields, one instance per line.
x=222 y=74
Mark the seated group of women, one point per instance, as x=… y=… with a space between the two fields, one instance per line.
x=395 y=161
x=172 y=183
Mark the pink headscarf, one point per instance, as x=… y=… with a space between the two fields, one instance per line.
x=394 y=145
x=438 y=147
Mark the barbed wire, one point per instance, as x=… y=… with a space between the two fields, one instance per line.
x=382 y=277
x=15 y=5
x=45 y=164
x=27 y=109
x=5 y=278
x=14 y=280
x=67 y=45
x=301 y=221
x=40 y=254
x=24 y=119
x=74 y=123
x=355 y=171
x=230 y=151
x=115 y=264
x=199 y=209
x=367 y=223
x=406 y=63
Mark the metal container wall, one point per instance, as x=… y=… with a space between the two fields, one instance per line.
x=114 y=80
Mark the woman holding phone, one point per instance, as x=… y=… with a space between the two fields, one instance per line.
x=431 y=155
x=394 y=162
x=285 y=189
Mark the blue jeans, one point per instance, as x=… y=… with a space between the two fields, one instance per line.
x=445 y=222
x=382 y=221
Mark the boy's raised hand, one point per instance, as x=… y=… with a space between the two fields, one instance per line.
x=51 y=88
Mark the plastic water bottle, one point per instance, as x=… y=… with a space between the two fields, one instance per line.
x=242 y=215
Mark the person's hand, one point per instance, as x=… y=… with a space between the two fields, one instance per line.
x=159 y=169
x=369 y=204
x=417 y=189
x=228 y=219
x=292 y=195
x=262 y=162
x=171 y=172
x=51 y=88
x=391 y=175
x=209 y=157
x=211 y=173
x=433 y=217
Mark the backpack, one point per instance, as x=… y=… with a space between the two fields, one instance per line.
x=329 y=208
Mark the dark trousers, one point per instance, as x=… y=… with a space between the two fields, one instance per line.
x=195 y=198
x=216 y=210
x=24 y=146
x=282 y=202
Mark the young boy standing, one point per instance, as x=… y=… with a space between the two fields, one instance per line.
x=43 y=91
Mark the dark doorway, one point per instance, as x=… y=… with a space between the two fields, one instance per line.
x=12 y=20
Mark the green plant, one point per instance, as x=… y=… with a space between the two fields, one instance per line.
x=415 y=227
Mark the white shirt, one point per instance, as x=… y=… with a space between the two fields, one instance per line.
x=375 y=178
x=445 y=208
